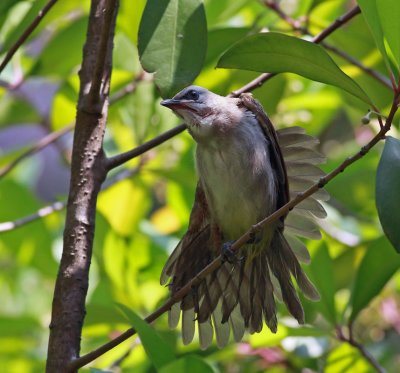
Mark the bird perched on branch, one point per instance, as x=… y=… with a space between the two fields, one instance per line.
x=247 y=171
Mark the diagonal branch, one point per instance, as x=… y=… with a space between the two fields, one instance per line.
x=360 y=347
x=217 y=262
x=120 y=159
x=60 y=205
x=28 y=31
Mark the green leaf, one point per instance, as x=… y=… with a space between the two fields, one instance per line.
x=389 y=14
x=322 y=274
x=63 y=52
x=370 y=12
x=192 y=364
x=173 y=42
x=387 y=191
x=376 y=268
x=159 y=352
x=277 y=53
x=220 y=39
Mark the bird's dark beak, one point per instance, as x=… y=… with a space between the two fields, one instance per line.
x=174 y=104
x=171 y=103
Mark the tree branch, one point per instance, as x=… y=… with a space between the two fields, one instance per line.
x=60 y=205
x=120 y=159
x=360 y=347
x=337 y=24
x=217 y=262
x=87 y=175
x=28 y=31
x=371 y=72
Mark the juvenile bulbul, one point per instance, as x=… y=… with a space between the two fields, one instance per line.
x=247 y=170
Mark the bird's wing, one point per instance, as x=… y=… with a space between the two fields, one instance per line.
x=276 y=157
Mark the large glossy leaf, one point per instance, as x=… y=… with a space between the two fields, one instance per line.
x=189 y=363
x=159 y=352
x=173 y=42
x=387 y=191
x=389 y=14
x=277 y=53
x=370 y=13
x=377 y=267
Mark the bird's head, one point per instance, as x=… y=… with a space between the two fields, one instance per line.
x=203 y=111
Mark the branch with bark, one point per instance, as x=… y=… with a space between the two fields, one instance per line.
x=87 y=175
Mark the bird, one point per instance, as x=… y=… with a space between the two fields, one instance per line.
x=247 y=170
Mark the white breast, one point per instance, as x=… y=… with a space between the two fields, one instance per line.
x=237 y=176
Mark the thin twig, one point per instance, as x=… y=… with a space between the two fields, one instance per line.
x=336 y=24
x=360 y=347
x=217 y=262
x=28 y=31
x=129 y=88
x=371 y=72
x=120 y=159
x=60 y=205
x=294 y=23
x=41 y=144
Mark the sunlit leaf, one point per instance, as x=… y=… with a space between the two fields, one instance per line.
x=220 y=39
x=387 y=191
x=173 y=42
x=389 y=14
x=346 y=359
x=377 y=267
x=123 y=205
x=276 y=53
x=370 y=12
x=159 y=352
x=192 y=364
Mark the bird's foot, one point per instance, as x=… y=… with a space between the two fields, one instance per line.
x=228 y=255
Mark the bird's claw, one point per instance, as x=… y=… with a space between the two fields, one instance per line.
x=228 y=255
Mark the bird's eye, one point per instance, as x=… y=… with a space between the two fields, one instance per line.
x=192 y=95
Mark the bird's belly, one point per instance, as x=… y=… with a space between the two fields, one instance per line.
x=238 y=196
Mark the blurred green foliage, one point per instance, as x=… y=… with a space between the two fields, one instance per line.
x=140 y=219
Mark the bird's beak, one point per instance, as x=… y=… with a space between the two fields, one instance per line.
x=174 y=104
x=171 y=103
